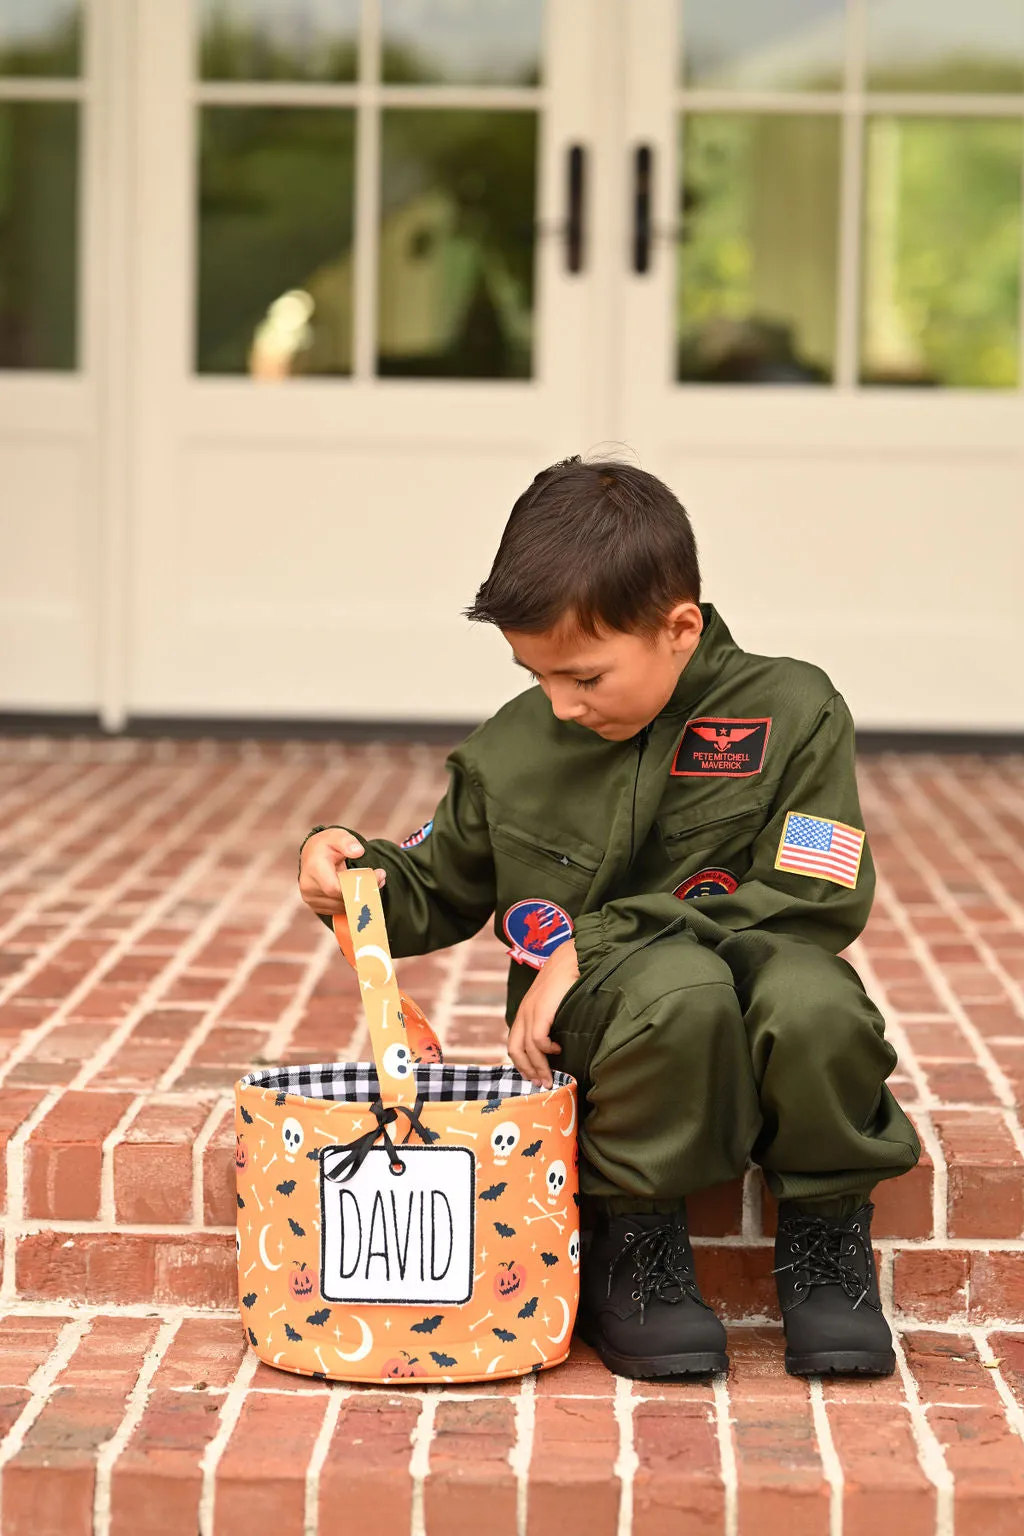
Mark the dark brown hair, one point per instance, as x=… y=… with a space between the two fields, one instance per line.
x=603 y=545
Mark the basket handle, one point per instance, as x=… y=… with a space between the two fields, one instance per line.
x=382 y=1000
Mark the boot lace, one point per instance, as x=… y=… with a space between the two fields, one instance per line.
x=825 y=1255
x=663 y=1266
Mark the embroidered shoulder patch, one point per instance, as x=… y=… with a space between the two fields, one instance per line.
x=821 y=848
x=535 y=929
x=414 y=840
x=715 y=747
x=707 y=882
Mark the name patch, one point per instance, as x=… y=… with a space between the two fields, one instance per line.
x=535 y=929
x=707 y=882
x=406 y=1238
x=715 y=747
x=415 y=838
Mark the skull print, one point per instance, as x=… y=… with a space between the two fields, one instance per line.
x=397 y=1060
x=556 y=1176
x=294 y=1136
x=504 y=1140
x=574 y=1250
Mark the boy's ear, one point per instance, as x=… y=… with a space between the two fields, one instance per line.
x=685 y=624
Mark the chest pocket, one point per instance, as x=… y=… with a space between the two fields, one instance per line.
x=570 y=864
x=693 y=840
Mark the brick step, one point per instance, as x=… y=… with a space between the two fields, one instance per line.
x=118 y=1424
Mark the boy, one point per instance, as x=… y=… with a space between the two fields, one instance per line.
x=668 y=832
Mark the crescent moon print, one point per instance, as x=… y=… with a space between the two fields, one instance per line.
x=263 y=1248
x=556 y=1338
x=365 y=1344
x=374 y=952
x=494 y=1364
x=568 y=1130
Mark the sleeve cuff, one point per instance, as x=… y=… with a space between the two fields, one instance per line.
x=591 y=943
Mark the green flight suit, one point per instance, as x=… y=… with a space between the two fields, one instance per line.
x=709 y=1026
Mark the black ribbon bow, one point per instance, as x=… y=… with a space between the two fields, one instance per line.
x=354 y=1153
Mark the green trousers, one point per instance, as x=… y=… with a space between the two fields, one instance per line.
x=692 y=1059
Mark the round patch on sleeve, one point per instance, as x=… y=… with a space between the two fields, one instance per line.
x=415 y=838
x=535 y=929
x=707 y=882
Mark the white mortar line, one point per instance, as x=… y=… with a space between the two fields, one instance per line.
x=831 y=1464
x=727 y=1451
x=135 y=1406
x=107 y=1213
x=74 y=796
x=930 y=1454
x=521 y=1454
x=627 y=1461
x=39 y=1385
x=311 y=1521
x=419 y=1462
x=231 y=1409
x=1011 y=1407
x=212 y=1123
x=15 y=1202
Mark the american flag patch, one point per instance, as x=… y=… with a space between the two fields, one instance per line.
x=418 y=837
x=827 y=850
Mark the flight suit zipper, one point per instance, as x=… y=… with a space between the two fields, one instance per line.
x=640 y=741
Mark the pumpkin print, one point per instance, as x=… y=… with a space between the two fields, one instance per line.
x=300 y=1281
x=241 y=1154
x=509 y=1281
x=403 y=1365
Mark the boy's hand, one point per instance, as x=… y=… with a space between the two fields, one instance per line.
x=529 y=1040
x=323 y=858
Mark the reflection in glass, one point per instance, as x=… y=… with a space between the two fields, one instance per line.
x=770 y=45
x=279 y=39
x=758 y=249
x=945 y=45
x=38 y=234
x=40 y=37
x=456 y=244
x=942 y=220
x=275 y=241
x=462 y=42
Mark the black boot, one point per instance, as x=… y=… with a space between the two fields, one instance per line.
x=639 y=1303
x=828 y=1292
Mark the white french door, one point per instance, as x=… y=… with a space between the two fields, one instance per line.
x=821 y=332
x=363 y=326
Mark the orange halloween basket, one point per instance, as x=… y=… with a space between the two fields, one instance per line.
x=406 y=1218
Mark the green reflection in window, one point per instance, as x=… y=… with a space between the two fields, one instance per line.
x=461 y=42
x=455 y=277
x=40 y=37
x=945 y=45
x=38 y=234
x=942 y=246
x=279 y=39
x=275 y=240
x=758 y=250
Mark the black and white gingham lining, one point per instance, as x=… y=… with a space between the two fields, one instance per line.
x=357 y=1083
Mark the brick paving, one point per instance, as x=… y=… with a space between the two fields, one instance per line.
x=154 y=950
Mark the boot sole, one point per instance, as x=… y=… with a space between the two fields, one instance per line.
x=706 y=1363
x=840 y=1362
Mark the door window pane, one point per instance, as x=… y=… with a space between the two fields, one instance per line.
x=40 y=37
x=457 y=244
x=772 y=45
x=946 y=45
x=942 y=222
x=758 y=249
x=462 y=42
x=275 y=241
x=279 y=39
x=38 y=234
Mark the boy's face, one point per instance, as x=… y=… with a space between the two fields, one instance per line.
x=613 y=684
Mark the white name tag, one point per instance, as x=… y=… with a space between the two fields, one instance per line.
x=399 y=1237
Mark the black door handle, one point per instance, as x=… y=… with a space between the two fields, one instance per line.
x=643 y=199
x=576 y=200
